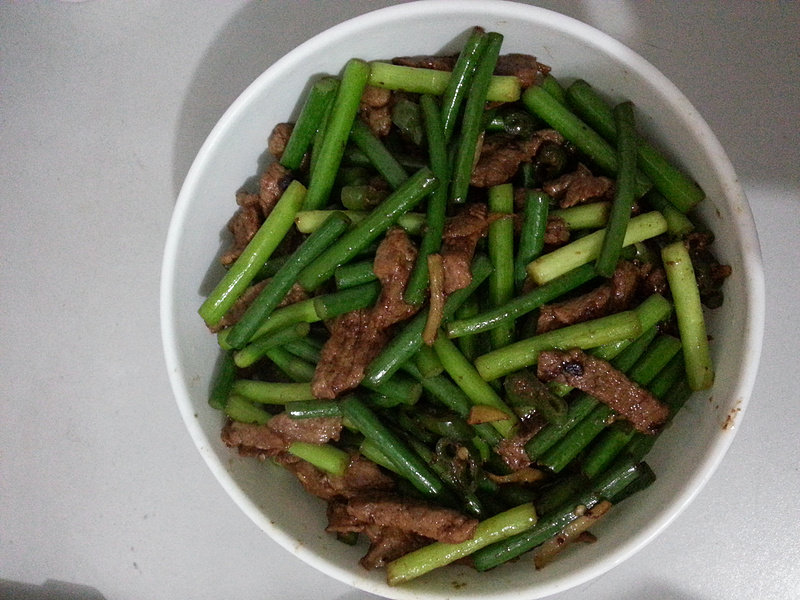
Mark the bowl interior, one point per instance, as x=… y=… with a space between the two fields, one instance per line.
x=687 y=453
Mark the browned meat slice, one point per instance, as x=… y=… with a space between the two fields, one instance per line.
x=376 y=109
x=524 y=67
x=274 y=180
x=317 y=430
x=357 y=337
x=361 y=477
x=276 y=436
x=512 y=450
x=438 y=63
x=557 y=231
x=353 y=343
x=618 y=293
x=500 y=157
x=397 y=525
x=442 y=524
x=243 y=225
x=710 y=274
x=253 y=440
x=254 y=208
x=579 y=187
x=388 y=544
x=394 y=261
x=609 y=385
x=279 y=138
x=461 y=235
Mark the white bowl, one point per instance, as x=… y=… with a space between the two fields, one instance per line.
x=687 y=453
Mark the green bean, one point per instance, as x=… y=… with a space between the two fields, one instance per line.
x=678 y=224
x=522 y=304
x=406 y=462
x=682 y=192
x=332 y=305
x=271 y=392
x=470 y=344
x=407 y=117
x=223 y=380
x=568 y=447
x=552 y=86
x=398 y=388
x=325 y=457
x=312 y=409
x=689 y=314
x=501 y=253
x=458 y=83
x=587 y=248
x=307 y=348
x=588 y=141
x=428 y=362
x=383 y=160
x=275 y=290
x=311 y=115
x=589 y=334
x=340 y=121
x=524 y=390
x=620 y=216
x=370 y=450
x=308 y=221
x=258 y=348
x=355 y=273
x=652 y=310
x=318 y=141
x=318 y=308
x=531 y=237
x=271 y=267
x=416 y=80
x=258 y=250
x=467 y=378
x=244 y=411
x=472 y=119
x=448 y=394
x=437 y=202
x=295 y=368
x=623 y=474
x=409 y=339
x=365 y=232
x=437 y=554
x=361 y=197
x=584 y=216
x=292 y=314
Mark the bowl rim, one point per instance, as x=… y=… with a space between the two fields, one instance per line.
x=743 y=223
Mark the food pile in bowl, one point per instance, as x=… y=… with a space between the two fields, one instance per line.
x=460 y=305
x=461 y=309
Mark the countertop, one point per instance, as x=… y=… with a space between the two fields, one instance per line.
x=103 y=105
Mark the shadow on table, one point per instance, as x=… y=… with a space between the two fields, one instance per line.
x=50 y=590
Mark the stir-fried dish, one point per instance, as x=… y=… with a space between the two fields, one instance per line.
x=461 y=305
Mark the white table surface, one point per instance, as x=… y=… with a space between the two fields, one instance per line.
x=103 y=105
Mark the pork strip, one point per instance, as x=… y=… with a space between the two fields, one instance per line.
x=358 y=336
x=460 y=238
x=360 y=477
x=597 y=377
x=579 y=187
x=276 y=436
